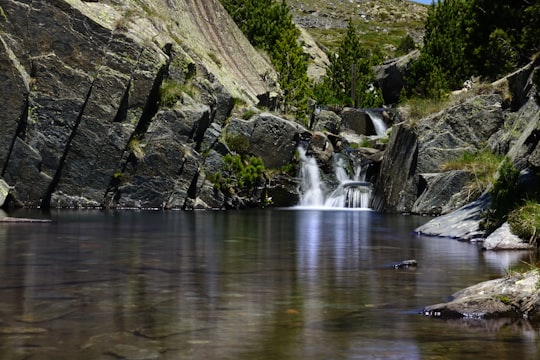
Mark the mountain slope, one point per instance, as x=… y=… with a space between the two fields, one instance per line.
x=381 y=23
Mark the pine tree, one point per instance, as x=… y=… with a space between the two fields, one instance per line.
x=291 y=65
x=339 y=86
x=470 y=38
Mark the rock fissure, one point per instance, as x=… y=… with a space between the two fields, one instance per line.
x=46 y=199
x=19 y=132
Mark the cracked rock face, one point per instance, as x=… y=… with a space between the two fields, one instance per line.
x=82 y=120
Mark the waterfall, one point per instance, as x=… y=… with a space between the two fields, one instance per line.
x=378 y=122
x=311 y=191
x=350 y=193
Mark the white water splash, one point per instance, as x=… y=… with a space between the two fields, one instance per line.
x=350 y=193
x=378 y=122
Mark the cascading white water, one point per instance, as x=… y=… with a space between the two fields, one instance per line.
x=311 y=191
x=378 y=122
x=350 y=193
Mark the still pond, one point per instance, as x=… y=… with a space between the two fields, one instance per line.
x=267 y=284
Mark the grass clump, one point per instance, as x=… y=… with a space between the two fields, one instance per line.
x=482 y=165
x=414 y=109
x=525 y=221
x=172 y=91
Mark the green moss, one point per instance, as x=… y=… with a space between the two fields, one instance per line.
x=504 y=299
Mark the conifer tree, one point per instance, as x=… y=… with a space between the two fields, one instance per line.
x=291 y=65
x=465 y=38
x=339 y=86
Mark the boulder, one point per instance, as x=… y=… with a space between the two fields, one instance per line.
x=439 y=192
x=390 y=76
x=325 y=120
x=514 y=296
x=462 y=224
x=503 y=239
x=320 y=148
x=463 y=127
x=357 y=120
x=270 y=137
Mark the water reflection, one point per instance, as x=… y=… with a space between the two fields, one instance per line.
x=240 y=285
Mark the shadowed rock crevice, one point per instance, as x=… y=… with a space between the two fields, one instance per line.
x=46 y=199
x=19 y=133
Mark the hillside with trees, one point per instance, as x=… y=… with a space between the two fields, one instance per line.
x=473 y=38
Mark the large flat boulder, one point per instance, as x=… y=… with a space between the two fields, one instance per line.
x=514 y=296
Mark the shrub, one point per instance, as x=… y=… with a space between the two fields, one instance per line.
x=525 y=221
x=239 y=174
x=237 y=143
x=505 y=196
x=170 y=92
x=406 y=45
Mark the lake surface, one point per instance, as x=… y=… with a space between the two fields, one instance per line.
x=266 y=284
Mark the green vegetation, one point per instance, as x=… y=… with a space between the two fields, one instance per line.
x=239 y=174
x=482 y=164
x=505 y=196
x=171 y=91
x=350 y=75
x=504 y=299
x=486 y=38
x=406 y=45
x=525 y=221
x=136 y=147
x=237 y=143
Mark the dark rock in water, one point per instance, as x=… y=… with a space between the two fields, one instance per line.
x=405 y=264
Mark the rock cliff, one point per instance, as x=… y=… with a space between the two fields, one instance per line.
x=84 y=121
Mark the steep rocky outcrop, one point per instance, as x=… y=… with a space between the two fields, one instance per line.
x=83 y=121
x=416 y=153
x=518 y=139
